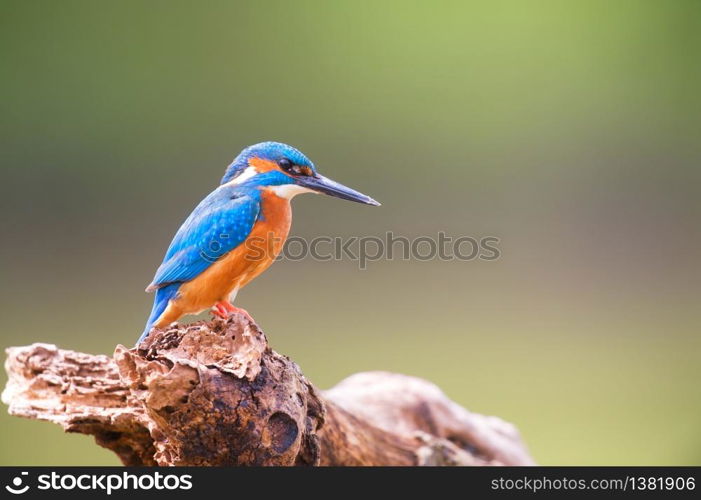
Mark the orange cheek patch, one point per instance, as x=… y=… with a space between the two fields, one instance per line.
x=262 y=165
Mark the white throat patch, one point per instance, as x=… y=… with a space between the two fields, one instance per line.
x=289 y=191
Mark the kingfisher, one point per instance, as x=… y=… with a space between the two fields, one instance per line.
x=236 y=232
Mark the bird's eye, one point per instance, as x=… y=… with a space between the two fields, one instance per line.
x=289 y=167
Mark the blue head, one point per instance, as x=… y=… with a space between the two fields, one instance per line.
x=286 y=169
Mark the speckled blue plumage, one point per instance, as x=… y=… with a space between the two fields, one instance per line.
x=220 y=223
x=267 y=150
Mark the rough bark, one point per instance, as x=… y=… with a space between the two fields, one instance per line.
x=214 y=393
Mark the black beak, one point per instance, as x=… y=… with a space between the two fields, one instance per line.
x=322 y=184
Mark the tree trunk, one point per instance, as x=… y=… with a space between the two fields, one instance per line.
x=214 y=393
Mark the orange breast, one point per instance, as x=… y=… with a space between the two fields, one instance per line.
x=245 y=262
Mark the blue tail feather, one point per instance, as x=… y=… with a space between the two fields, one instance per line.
x=160 y=302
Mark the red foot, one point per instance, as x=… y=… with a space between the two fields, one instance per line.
x=219 y=310
x=224 y=309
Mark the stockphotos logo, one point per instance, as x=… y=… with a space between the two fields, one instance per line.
x=102 y=482
x=17 y=487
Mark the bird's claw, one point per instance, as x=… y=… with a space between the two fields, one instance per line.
x=226 y=309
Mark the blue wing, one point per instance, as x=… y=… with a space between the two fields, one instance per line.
x=220 y=223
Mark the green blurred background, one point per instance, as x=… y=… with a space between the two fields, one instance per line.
x=569 y=129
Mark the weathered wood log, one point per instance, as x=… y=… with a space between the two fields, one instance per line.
x=214 y=393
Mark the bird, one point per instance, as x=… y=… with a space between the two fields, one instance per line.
x=235 y=233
